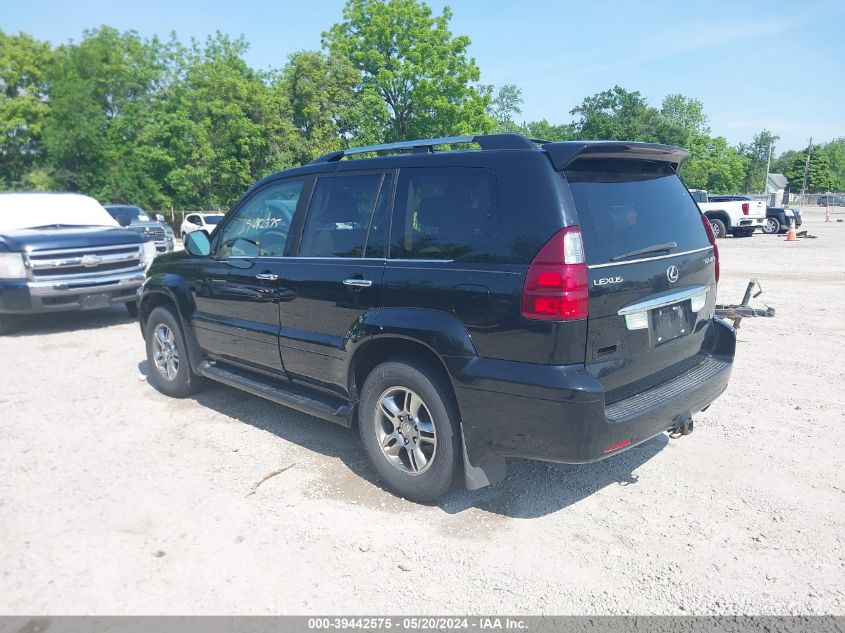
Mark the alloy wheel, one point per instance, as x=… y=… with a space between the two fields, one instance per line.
x=166 y=354
x=405 y=430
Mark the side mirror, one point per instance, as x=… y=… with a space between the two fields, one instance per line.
x=124 y=220
x=198 y=244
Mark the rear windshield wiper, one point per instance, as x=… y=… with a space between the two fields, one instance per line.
x=654 y=248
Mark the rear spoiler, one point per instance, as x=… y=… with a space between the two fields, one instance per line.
x=564 y=153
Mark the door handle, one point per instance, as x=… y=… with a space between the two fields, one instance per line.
x=358 y=283
x=267 y=277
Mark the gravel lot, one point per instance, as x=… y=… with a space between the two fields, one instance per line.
x=117 y=500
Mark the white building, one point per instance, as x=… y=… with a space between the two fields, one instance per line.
x=775 y=187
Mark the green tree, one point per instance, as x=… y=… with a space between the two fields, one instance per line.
x=713 y=165
x=546 y=131
x=24 y=63
x=503 y=106
x=223 y=124
x=617 y=115
x=756 y=156
x=819 y=176
x=410 y=58
x=835 y=152
x=683 y=122
x=97 y=90
x=329 y=106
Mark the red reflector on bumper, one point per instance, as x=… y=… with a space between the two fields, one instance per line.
x=616 y=447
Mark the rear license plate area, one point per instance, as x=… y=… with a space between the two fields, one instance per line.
x=670 y=322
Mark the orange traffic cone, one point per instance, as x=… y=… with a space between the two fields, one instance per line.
x=792 y=235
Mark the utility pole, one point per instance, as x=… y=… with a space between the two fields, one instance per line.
x=768 y=166
x=807 y=167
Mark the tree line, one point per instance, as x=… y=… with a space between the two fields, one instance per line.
x=165 y=124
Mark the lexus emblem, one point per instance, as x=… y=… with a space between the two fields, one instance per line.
x=672 y=274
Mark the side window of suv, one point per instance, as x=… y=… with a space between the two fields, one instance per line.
x=260 y=227
x=339 y=215
x=443 y=213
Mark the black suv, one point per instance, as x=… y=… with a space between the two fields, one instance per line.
x=553 y=301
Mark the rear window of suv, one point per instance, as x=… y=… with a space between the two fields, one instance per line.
x=624 y=205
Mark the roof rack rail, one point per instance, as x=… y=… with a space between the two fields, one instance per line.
x=485 y=141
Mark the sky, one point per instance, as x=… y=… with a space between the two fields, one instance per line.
x=776 y=65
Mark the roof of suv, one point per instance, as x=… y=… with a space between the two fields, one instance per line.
x=561 y=153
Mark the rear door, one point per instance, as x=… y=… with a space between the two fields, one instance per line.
x=651 y=272
x=336 y=275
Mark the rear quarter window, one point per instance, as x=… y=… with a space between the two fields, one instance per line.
x=625 y=205
x=445 y=214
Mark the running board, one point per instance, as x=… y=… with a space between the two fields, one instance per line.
x=325 y=407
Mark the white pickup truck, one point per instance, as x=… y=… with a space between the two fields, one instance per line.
x=740 y=218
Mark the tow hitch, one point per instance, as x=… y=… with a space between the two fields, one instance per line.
x=683 y=426
x=735 y=312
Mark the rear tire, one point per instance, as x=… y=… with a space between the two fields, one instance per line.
x=409 y=429
x=167 y=356
x=772 y=226
x=719 y=229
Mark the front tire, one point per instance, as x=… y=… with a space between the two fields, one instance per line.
x=132 y=308
x=772 y=226
x=409 y=427
x=719 y=229
x=167 y=357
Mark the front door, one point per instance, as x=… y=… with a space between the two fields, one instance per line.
x=237 y=289
x=336 y=276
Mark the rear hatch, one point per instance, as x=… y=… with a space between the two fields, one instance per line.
x=651 y=272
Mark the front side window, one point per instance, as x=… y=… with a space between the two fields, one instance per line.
x=339 y=215
x=444 y=214
x=260 y=227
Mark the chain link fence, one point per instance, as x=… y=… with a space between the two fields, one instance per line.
x=835 y=199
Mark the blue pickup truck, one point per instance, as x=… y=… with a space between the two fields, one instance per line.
x=63 y=251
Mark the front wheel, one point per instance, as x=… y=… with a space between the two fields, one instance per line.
x=772 y=226
x=409 y=429
x=170 y=371
x=719 y=229
x=132 y=308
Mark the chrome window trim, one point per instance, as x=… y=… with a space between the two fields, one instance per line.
x=650 y=259
x=663 y=300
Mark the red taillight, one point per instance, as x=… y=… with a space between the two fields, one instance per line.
x=712 y=238
x=556 y=286
x=745 y=208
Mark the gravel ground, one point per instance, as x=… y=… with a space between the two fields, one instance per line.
x=117 y=500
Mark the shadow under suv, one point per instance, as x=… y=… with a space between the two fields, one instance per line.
x=552 y=301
